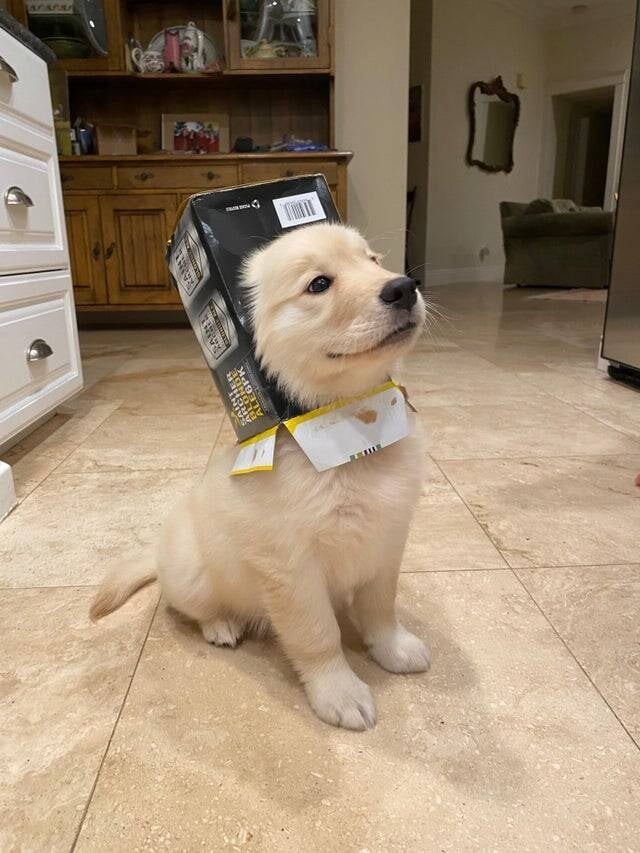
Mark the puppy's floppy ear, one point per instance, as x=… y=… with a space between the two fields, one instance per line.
x=250 y=276
x=250 y=269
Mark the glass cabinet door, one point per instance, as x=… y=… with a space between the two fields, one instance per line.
x=84 y=34
x=278 y=34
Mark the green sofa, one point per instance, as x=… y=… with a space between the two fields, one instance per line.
x=555 y=243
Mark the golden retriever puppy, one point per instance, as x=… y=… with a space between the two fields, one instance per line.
x=288 y=548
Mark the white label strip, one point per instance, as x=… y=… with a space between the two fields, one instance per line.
x=256 y=455
x=298 y=209
x=353 y=431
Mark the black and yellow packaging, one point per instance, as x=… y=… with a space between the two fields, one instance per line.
x=216 y=231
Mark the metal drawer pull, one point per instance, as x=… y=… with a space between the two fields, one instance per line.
x=109 y=250
x=38 y=350
x=15 y=196
x=144 y=176
x=210 y=176
x=8 y=69
x=96 y=250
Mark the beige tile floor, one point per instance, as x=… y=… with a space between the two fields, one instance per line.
x=522 y=571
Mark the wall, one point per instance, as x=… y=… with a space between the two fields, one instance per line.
x=477 y=40
x=371 y=94
x=418 y=154
x=598 y=48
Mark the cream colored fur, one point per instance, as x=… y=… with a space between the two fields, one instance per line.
x=290 y=547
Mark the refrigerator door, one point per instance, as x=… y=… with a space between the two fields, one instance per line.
x=621 y=342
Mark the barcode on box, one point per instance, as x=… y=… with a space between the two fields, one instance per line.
x=298 y=209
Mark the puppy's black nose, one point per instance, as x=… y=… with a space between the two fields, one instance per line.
x=400 y=293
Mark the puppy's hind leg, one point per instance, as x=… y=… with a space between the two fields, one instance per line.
x=194 y=590
x=227 y=631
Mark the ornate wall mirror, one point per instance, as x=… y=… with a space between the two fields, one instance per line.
x=493 y=118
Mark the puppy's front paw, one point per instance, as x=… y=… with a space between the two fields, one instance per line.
x=400 y=651
x=340 y=698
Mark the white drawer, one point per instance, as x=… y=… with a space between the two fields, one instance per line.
x=28 y=96
x=30 y=234
x=31 y=388
x=18 y=330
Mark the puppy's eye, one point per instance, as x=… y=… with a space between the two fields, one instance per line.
x=319 y=284
x=375 y=258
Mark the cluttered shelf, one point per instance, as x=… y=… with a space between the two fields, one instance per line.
x=198 y=76
x=166 y=157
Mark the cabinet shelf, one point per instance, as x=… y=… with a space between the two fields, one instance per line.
x=203 y=158
x=218 y=76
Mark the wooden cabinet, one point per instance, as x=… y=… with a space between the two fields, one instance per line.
x=274 y=80
x=120 y=212
x=135 y=230
x=283 y=35
x=82 y=215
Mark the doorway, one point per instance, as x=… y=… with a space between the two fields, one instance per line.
x=583 y=126
x=584 y=130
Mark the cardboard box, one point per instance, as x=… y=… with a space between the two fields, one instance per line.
x=117 y=140
x=215 y=232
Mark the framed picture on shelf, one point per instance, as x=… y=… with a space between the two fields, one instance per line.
x=195 y=133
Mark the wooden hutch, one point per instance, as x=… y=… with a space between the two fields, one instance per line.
x=120 y=210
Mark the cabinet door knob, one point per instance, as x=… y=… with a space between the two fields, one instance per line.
x=210 y=176
x=109 y=250
x=38 y=350
x=289 y=173
x=144 y=176
x=96 y=250
x=66 y=179
x=15 y=196
x=8 y=69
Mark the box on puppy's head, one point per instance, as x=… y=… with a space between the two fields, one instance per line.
x=215 y=233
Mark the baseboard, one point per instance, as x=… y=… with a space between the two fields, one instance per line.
x=8 y=499
x=436 y=278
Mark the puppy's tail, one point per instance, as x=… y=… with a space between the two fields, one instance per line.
x=120 y=584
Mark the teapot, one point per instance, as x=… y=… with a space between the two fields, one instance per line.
x=192 y=48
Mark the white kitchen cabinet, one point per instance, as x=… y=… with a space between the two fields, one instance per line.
x=39 y=356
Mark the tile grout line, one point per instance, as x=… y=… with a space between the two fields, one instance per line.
x=635 y=743
x=541 y=458
x=577 y=408
x=518 y=375
x=51 y=586
x=113 y=730
x=473 y=515
x=460 y=569
x=499 y=550
x=64 y=458
x=507 y=567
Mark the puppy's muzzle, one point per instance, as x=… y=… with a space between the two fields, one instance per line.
x=400 y=293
